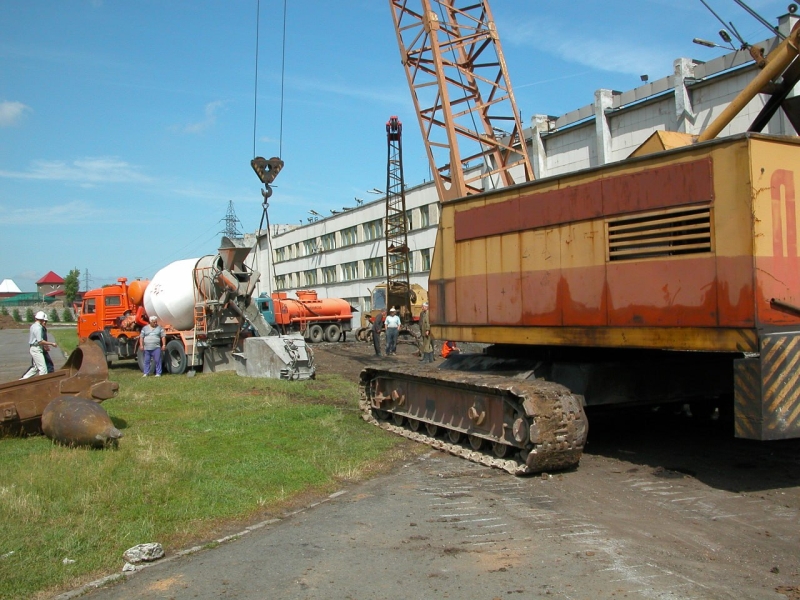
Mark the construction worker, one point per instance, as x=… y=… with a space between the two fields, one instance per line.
x=425 y=329
x=38 y=345
x=392 y=331
x=449 y=348
x=377 y=327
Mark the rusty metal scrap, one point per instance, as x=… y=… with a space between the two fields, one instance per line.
x=84 y=375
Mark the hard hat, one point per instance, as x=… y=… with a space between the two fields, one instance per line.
x=41 y=315
x=392 y=310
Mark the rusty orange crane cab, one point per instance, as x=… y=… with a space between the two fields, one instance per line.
x=673 y=276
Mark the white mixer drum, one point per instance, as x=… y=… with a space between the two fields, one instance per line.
x=170 y=295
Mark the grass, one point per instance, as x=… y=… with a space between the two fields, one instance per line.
x=200 y=455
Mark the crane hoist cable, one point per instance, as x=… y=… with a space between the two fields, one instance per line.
x=267 y=169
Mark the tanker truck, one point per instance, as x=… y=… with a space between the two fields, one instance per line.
x=316 y=319
x=205 y=306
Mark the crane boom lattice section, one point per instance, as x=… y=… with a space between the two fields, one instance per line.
x=462 y=93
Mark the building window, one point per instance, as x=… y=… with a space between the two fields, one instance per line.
x=409 y=220
x=350 y=271
x=425 y=259
x=367 y=300
x=329 y=274
x=373 y=267
x=350 y=236
x=373 y=230
x=280 y=282
x=280 y=254
x=329 y=241
x=424 y=216
x=310 y=277
x=309 y=247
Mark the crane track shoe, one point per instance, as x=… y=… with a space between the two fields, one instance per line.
x=522 y=426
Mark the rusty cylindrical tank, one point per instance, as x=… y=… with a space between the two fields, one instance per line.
x=308 y=306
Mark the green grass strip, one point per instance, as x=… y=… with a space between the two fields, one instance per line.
x=197 y=453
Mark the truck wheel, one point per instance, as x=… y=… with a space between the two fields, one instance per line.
x=315 y=334
x=332 y=332
x=359 y=334
x=101 y=344
x=140 y=359
x=175 y=357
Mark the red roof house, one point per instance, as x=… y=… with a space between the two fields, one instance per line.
x=49 y=283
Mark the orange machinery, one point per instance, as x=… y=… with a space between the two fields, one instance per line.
x=672 y=276
x=690 y=254
x=102 y=318
x=318 y=319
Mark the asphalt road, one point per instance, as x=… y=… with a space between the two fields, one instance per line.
x=662 y=506
x=657 y=515
x=15 y=357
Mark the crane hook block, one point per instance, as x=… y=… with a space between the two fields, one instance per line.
x=267 y=169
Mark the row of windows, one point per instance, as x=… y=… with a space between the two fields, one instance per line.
x=349 y=271
x=416 y=218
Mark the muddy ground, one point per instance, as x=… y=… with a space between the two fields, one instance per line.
x=662 y=506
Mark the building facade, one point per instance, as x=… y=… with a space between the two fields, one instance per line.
x=343 y=255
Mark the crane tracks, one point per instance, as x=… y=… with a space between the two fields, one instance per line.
x=537 y=425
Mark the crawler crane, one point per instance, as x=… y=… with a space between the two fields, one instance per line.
x=672 y=276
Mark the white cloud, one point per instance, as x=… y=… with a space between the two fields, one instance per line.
x=11 y=113
x=209 y=119
x=86 y=171
x=612 y=52
x=63 y=214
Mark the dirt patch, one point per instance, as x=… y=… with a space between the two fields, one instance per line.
x=8 y=322
x=349 y=358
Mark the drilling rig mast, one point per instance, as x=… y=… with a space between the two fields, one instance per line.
x=397 y=263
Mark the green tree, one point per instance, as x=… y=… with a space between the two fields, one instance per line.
x=29 y=315
x=54 y=316
x=3 y=311
x=71 y=286
x=16 y=316
x=66 y=315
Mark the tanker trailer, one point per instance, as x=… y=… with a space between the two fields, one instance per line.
x=317 y=319
x=205 y=306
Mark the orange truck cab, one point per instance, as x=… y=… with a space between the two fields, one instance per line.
x=111 y=316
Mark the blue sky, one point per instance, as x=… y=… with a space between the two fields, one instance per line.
x=127 y=127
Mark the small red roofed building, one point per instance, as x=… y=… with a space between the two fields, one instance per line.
x=50 y=285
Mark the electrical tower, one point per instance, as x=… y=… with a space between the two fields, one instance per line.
x=232 y=223
x=397 y=263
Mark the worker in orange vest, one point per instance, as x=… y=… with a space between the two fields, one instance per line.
x=449 y=348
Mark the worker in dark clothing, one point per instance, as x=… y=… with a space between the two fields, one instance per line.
x=377 y=327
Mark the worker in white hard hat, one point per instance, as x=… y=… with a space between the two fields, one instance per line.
x=392 y=331
x=38 y=345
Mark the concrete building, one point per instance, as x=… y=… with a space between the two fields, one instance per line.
x=343 y=255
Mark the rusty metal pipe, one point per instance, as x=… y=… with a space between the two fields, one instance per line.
x=775 y=64
x=784 y=306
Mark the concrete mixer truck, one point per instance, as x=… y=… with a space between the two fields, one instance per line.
x=204 y=304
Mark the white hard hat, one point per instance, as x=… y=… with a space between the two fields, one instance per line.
x=41 y=315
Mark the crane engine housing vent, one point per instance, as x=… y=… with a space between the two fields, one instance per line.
x=673 y=232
